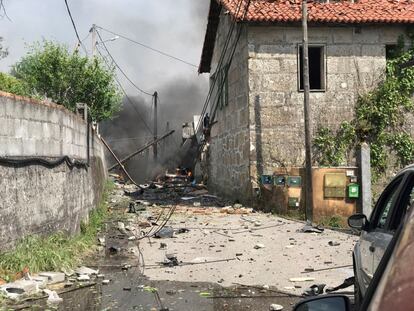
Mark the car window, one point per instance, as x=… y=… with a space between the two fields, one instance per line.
x=386 y=211
x=385 y=203
x=405 y=204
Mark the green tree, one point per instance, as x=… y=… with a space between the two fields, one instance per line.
x=12 y=85
x=3 y=51
x=51 y=71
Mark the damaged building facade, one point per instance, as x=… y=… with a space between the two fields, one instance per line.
x=258 y=103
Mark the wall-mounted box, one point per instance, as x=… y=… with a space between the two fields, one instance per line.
x=266 y=179
x=293 y=202
x=279 y=180
x=335 y=185
x=294 y=181
x=353 y=191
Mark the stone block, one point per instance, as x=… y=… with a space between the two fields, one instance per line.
x=343 y=35
x=29 y=147
x=21 y=128
x=40 y=280
x=368 y=34
x=373 y=50
x=53 y=277
x=18 y=288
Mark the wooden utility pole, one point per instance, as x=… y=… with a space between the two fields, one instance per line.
x=155 y=124
x=93 y=30
x=307 y=112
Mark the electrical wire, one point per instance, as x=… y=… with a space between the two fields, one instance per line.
x=218 y=69
x=148 y=47
x=74 y=27
x=129 y=101
x=119 y=68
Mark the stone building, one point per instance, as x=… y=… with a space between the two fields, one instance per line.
x=258 y=104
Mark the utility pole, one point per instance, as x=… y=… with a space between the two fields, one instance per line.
x=308 y=138
x=155 y=124
x=93 y=30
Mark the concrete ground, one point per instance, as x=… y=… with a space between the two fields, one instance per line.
x=285 y=255
x=256 y=253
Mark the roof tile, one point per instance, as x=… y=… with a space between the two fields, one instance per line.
x=343 y=11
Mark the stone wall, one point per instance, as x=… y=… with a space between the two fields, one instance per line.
x=355 y=60
x=36 y=199
x=229 y=145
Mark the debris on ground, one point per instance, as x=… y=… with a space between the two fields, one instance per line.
x=314 y=290
x=53 y=297
x=309 y=228
x=275 y=307
x=333 y=243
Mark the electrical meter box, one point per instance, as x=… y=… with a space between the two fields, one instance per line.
x=353 y=191
x=279 y=180
x=294 y=181
x=293 y=202
x=335 y=185
x=267 y=179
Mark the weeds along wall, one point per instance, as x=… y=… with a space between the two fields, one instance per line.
x=45 y=183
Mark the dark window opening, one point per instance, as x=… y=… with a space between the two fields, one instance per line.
x=392 y=51
x=316 y=68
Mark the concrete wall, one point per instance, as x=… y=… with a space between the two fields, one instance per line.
x=229 y=145
x=355 y=62
x=34 y=198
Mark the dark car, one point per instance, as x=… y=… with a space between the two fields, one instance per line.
x=377 y=233
x=391 y=285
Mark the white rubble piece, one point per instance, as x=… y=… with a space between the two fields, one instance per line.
x=54 y=277
x=53 y=297
x=275 y=307
x=17 y=289
x=83 y=277
x=86 y=271
x=41 y=280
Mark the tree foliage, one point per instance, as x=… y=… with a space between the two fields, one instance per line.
x=10 y=84
x=3 y=51
x=380 y=120
x=51 y=71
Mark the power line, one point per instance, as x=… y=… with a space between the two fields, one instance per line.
x=219 y=68
x=74 y=27
x=129 y=101
x=148 y=47
x=120 y=69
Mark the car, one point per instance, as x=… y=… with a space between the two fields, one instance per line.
x=392 y=282
x=377 y=232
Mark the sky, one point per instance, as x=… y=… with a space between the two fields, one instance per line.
x=176 y=27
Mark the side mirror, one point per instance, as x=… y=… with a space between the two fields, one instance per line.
x=358 y=221
x=331 y=303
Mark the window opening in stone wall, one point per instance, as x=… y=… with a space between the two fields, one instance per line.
x=392 y=51
x=316 y=68
x=222 y=85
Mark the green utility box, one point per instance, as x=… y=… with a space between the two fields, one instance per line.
x=294 y=181
x=353 y=191
x=293 y=202
x=279 y=180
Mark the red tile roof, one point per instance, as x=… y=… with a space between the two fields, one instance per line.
x=336 y=11
x=319 y=11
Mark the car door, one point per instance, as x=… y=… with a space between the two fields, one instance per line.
x=401 y=206
x=375 y=239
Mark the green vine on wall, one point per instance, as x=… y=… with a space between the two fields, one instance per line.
x=380 y=120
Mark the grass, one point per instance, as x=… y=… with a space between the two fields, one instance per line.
x=333 y=222
x=57 y=251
